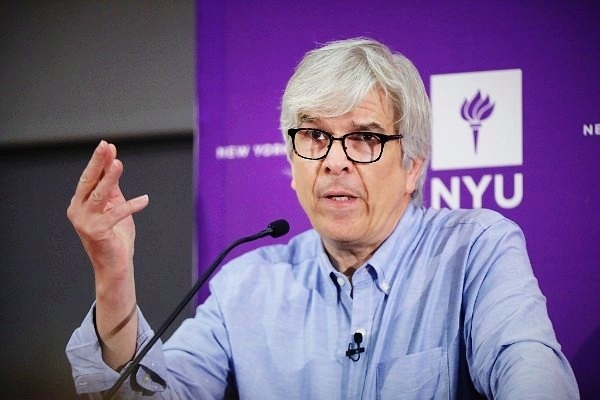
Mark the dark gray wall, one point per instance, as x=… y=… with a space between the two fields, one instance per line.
x=47 y=282
x=81 y=68
x=72 y=72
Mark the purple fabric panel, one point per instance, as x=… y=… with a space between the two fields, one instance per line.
x=247 y=51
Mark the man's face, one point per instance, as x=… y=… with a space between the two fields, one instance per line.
x=355 y=205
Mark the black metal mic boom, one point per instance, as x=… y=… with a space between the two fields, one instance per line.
x=275 y=229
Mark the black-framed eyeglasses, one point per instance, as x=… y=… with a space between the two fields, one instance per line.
x=359 y=147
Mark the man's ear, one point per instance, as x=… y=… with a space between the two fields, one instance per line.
x=293 y=181
x=413 y=173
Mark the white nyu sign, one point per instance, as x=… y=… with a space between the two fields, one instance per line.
x=460 y=139
x=477 y=123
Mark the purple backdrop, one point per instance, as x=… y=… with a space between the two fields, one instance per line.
x=549 y=53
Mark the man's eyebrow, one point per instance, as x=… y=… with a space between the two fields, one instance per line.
x=307 y=118
x=356 y=127
x=371 y=126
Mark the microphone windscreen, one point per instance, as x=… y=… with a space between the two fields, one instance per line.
x=358 y=338
x=279 y=228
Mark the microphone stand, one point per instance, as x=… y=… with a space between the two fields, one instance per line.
x=276 y=229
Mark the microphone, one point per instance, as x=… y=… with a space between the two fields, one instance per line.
x=278 y=228
x=355 y=351
x=275 y=229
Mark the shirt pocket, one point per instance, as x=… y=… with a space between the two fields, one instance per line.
x=422 y=375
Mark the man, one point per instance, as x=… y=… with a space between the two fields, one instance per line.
x=383 y=299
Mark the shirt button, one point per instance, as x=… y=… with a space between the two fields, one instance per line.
x=340 y=281
x=362 y=331
x=385 y=286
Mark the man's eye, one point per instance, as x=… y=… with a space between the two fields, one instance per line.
x=365 y=137
x=318 y=136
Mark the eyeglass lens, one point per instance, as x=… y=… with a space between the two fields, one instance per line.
x=359 y=146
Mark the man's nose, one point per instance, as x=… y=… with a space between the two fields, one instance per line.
x=336 y=160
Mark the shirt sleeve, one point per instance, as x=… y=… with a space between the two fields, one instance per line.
x=92 y=375
x=511 y=347
x=193 y=364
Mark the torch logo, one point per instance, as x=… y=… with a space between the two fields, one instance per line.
x=474 y=111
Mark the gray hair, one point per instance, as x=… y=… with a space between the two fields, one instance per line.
x=333 y=79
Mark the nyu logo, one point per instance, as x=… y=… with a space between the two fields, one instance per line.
x=477 y=123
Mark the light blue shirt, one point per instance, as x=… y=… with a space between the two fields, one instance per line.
x=448 y=305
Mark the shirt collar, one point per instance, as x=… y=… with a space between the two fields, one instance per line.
x=386 y=260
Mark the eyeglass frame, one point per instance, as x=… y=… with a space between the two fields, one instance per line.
x=381 y=136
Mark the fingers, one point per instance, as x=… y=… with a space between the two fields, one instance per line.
x=107 y=188
x=103 y=156
x=98 y=189
x=121 y=211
